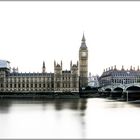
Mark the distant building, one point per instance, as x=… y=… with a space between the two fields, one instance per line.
x=93 y=81
x=113 y=76
x=61 y=80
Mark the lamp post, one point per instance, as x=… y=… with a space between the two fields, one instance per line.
x=126 y=91
x=127 y=96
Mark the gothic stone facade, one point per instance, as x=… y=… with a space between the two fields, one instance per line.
x=59 y=81
x=83 y=64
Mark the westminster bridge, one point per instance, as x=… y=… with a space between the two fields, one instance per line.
x=126 y=91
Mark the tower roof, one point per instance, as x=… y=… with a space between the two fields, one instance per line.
x=83 y=44
x=83 y=39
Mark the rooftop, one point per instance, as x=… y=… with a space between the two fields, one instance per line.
x=4 y=64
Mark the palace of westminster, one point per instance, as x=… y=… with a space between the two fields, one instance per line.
x=59 y=81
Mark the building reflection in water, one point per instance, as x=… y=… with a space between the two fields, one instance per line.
x=77 y=105
x=60 y=112
x=4 y=106
x=74 y=104
x=68 y=118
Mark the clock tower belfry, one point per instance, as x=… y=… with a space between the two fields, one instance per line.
x=83 y=64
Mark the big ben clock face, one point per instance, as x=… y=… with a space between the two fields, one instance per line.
x=83 y=54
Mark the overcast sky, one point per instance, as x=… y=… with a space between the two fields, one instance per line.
x=33 y=32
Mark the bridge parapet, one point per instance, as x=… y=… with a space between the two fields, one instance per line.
x=122 y=86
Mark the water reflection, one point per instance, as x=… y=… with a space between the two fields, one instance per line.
x=4 y=106
x=59 y=104
x=69 y=118
x=53 y=116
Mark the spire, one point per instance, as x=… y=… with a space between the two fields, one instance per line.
x=83 y=39
x=43 y=68
x=71 y=63
x=83 y=44
x=43 y=64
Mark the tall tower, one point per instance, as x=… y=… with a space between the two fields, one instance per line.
x=83 y=63
x=74 y=76
x=57 y=76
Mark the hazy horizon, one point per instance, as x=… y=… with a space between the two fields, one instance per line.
x=33 y=32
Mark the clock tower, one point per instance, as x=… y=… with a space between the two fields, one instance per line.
x=83 y=64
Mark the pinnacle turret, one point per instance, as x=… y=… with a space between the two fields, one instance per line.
x=43 y=64
x=43 y=68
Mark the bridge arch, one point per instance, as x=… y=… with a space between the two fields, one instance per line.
x=133 y=88
x=118 y=89
x=108 y=89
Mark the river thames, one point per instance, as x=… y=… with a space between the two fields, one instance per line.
x=69 y=118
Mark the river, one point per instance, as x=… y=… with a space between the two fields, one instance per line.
x=69 y=118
